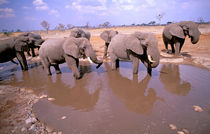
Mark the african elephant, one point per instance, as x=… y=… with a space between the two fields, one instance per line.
x=139 y=45
x=174 y=34
x=35 y=41
x=107 y=35
x=14 y=47
x=56 y=51
x=77 y=33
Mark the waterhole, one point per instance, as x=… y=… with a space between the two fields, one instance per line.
x=118 y=102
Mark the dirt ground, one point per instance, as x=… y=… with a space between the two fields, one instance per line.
x=16 y=115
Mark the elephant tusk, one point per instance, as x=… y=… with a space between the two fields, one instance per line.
x=90 y=60
x=150 y=59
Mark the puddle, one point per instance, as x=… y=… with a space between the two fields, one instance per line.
x=113 y=102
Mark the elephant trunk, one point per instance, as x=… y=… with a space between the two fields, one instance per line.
x=195 y=39
x=194 y=34
x=90 y=53
x=153 y=56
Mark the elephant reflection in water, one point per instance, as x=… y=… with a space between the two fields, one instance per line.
x=79 y=96
x=133 y=93
x=170 y=77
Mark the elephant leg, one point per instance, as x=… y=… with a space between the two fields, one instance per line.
x=181 y=44
x=22 y=60
x=148 y=66
x=172 y=48
x=135 y=61
x=46 y=66
x=177 y=51
x=113 y=61
x=73 y=64
x=57 y=69
x=117 y=63
x=105 y=50
x=28 y=52
x=33 y=53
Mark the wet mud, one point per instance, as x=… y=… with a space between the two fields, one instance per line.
x=109 y=102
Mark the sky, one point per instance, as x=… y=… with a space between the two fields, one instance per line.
x=27 y=15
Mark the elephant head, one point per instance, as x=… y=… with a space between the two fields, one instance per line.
x=147 y=45
x=35 y=40
x=190 y=29
x=80 y=47
x=107 y=35
x=20 y=45
x=77 y=33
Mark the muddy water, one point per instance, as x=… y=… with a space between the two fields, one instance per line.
x=113 y=102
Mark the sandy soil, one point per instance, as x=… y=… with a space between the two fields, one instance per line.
x=16 y=115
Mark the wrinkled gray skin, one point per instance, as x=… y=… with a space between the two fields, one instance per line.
x=35 y=41
x=77 y=33
x=134 y=47
x=57 y=51
x=107 y=36
x=14 y=47
x=174 y=34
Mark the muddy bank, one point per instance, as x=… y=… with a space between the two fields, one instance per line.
x=16 y=114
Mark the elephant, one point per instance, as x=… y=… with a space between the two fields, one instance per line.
x=135 y=46
x=175 y=34
x=59 y=50
x=77 y=33
x=14 y=47
x=170 y=77
x=35 y=41
x=107 y=36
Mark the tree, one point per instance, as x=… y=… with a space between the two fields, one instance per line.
x=18 y=30
x=60 y=26
x=106 y=24
x=200 y=20
x=70 y=26
x=151 y=23
x=159 y=17
x=169 y=22
x=45 y=25
x=87 y=25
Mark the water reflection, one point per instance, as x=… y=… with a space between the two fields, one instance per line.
x=135 y=95
x=80 y=94
x=170 y=77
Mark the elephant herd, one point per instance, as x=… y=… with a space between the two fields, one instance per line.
x=136 y=46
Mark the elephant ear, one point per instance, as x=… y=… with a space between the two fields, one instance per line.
x=105 y=36
x=20 y=43
x=113 y=33
x=134 y=44
x=70 y=48
x=177 y=31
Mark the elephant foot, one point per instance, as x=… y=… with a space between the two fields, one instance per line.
x=58 y=72
x=77 y=77
x=49 y=74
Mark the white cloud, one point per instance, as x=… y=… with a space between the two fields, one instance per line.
x=3 y=2
x=40 y=5
x=54 y=12
x=25 y=7
x=88 y=8
x=151 y=2
x=6 y=13
x=67 y=6
x=28 y=18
